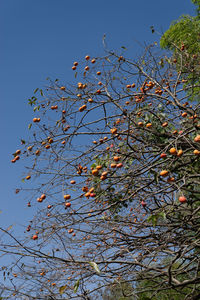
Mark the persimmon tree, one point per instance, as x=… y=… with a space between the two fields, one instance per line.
x=112 y=176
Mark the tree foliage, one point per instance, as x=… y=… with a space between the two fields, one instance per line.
x=197 y=3
x=118 y=291
x=184 y=31
x=113 y=171
x=184 y=35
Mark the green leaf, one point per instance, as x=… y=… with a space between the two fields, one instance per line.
x=76 y=285
x=94 y=266
x=29 y=126
x=75 y=75
x=62 y=289
x=41 y=92
x=31 y=101
x=153 y=219
x=156 y=178
x=162 y=215
x=35 y=91
x=93 y=165
x=36 y=108
x=108 y=59
x=123 y=47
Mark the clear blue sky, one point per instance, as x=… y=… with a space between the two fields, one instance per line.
x=41 y=38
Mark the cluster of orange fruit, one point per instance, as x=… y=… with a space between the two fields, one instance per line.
x=87 y=58
x=17 y=157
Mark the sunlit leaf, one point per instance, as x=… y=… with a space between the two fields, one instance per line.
x=94 y=266
x=76 y=285
x=62 y=289
x=93 y=165
x=35 y=91
x=107 y=59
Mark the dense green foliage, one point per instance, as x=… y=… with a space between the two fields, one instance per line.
x=118 y=291
x=185 y=30
x=183 y=39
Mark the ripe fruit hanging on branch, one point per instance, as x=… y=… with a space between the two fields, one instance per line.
x=18 y=152
x=95 y=172
x=180 y=153
x=82 y=108
x=196 y=152
x=182 y=199
x=62 y=88
x=36 y=120
x=119 y=165
x=43 y=196
x=143 y=203
x=67 y=204
x=171 y=179
x=148 y=125
x=173 y=151
x=164 y=173
x=163 y=155
x=165 y=124
x=197 y=138
x=35 y=237
x=113 y=130
x=67 y=197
